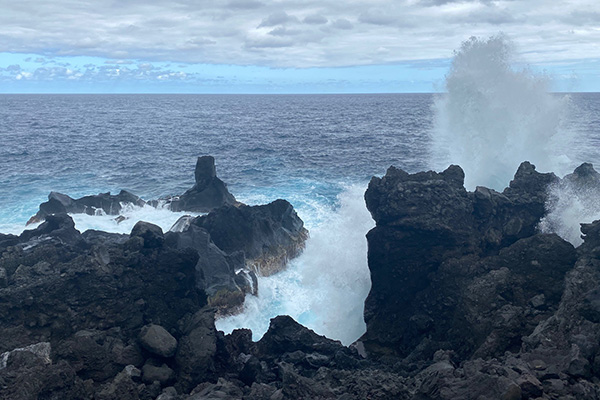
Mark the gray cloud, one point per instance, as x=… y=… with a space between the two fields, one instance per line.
x=378 y=17
x=342 y=23
x=315 y=19
x=292 y=33
x=278 y=18
x=245 y=4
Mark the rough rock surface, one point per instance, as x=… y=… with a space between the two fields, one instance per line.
x=91 y=205
x=208 y=193
x=445 y=260
x=269 y=235
x=158 y=341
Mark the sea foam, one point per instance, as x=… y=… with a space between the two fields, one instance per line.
x=326 y=286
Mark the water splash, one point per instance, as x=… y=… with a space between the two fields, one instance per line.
x=326 y=286
x=494 y=116
x=572 y=201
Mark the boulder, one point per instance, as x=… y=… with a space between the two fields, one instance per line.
x=152 y=371
x=157 y=340
x=150 y=233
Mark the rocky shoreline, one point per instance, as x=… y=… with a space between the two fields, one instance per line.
x=468 y=300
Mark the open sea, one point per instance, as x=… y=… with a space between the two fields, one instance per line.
x=317 y=151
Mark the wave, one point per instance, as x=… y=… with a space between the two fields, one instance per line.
x=326 y=286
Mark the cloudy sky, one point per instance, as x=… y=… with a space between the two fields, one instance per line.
x=282 y=46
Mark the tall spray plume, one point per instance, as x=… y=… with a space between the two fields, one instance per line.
x=493 y=116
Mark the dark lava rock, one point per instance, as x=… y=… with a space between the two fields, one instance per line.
x=104 y=202
x=447 y=262
x=196 y=352
x=152 y=372
x=269 y=235
x=216 y=271
x=208 y=193
x=158 y=341
x=285 y=335
x=152 y=234
x=56 y=289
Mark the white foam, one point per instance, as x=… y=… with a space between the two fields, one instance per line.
x=160 y=216
x=495 y=116
x=326 y=286
x=569 y=206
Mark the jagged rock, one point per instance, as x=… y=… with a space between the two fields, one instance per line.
x=152 y=234
x=56 y=289
x=104 y=202
x=223 y=389
x=48 y=381
x=215 y=270
x=157 y=340
x=57 y=226
x=269 y=235
x=96 y=355
x=152 y=372
x=196 y=351
x=447 y=261
x=36 y=353
x=208 y=193
x=286 y=335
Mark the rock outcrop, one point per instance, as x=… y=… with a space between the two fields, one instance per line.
x=269 y=235
x=208 y=193
x=104 y=203
x=464 y=279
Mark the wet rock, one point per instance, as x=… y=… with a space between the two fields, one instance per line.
x=208 y=193
x=92 y=205
x=268 y=235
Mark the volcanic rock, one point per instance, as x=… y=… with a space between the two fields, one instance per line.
x=269 y=235
x=208 y=193
x=91 y=205
x=157 y=340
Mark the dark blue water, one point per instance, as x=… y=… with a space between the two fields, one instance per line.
x=303 y=146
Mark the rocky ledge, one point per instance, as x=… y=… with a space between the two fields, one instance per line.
x=208 y=193
x=468 y=301
x=235 y=242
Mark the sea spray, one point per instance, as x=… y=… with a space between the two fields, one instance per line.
x=130 y=214
x=325 y=287
x=572 y=201
x=494 y=116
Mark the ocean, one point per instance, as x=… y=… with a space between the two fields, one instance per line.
x=317 y=151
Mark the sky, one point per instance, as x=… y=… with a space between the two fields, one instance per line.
x=282 y=46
